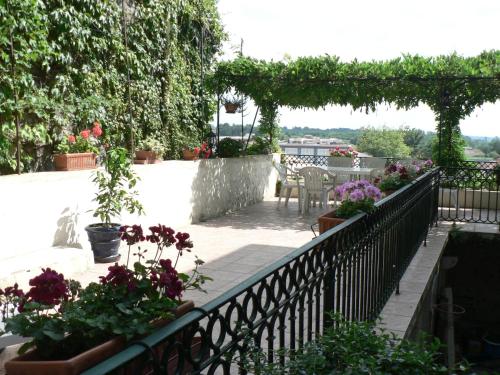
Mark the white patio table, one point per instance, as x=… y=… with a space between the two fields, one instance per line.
x=351 y=171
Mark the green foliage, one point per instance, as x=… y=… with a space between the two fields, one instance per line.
x=151 y=144
x=351 y=348
x=451 y=152
x=383 y=142
x=259 y=146
x=23 y=49
x=115 y=186
x=269 y=126
x=452 y=86
x=229 y=148
x=72 y=69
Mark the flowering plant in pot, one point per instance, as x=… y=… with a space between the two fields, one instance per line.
x=396 y=176
x=149 y=151
x=355 y=196
x=79 y=151
x=115 y=193
x=347 y=153
x=194 y=152
x=421 y=166
x=73 y=328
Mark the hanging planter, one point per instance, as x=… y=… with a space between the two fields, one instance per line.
x=231 y=107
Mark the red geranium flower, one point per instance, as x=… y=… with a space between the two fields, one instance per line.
x=85 y=133
x=71 y=138
x=196 y=150
x=97 y=131
x=48 y=288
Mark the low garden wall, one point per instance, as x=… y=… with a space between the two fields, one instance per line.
x=42 y=210
x=468 y=198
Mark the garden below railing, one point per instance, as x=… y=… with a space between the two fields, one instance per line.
x=352 y=269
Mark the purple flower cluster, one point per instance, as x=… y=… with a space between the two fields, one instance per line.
x=356 y=191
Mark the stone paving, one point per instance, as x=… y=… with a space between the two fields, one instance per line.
x=235 y=246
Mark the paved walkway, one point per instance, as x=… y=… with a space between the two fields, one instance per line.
x=236 y=245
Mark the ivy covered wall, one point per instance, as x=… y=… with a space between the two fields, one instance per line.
x=65 y=63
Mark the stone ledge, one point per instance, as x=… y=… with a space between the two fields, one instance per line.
x=401 y=310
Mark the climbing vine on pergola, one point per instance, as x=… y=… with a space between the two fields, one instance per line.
x=452 y=86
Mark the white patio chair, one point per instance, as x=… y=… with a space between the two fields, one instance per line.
x=317 y=183
x=289 y=180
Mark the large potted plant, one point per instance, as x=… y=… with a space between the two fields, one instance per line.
x=356 y=196
x=149 y=151
x=342 y=157
x=195 y=152
x=115 y=193
x=74 y=328
x=398 y=175
x=78 y=152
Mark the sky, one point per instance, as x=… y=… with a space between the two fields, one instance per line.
x=366 y=30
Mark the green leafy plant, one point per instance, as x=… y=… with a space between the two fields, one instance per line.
x=71 y=64
x=63 y=319
x=115 y=187
x=152 y=144
x=356 y=196
x=229 y=148
x=259 y=146
x=349 y=348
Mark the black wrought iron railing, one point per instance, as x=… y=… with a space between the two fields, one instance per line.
x=299 y=161
x=352 y=269
x=470 y=192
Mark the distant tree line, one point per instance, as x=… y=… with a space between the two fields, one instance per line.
x=402 y=142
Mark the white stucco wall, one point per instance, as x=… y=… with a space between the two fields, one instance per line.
x=41 y=210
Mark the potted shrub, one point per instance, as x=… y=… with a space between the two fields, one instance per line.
x=114 y=194
x=229 y=148
x=194 y=152
x=356 y=196
x=149 y=151
x=78 y=152
x=398 y=175
x=74 y=328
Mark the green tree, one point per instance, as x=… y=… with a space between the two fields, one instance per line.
x=383 y=142
x=413 y=138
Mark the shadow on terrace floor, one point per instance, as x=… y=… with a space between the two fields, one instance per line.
x=267 y=215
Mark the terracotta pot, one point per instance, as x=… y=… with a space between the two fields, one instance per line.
x=30 y=363
x=75 y=162
x=146 y=157
x=231 y=107
x=189 y=155
x=328 y=221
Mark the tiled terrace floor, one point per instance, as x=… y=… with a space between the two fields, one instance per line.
x=236 y=245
